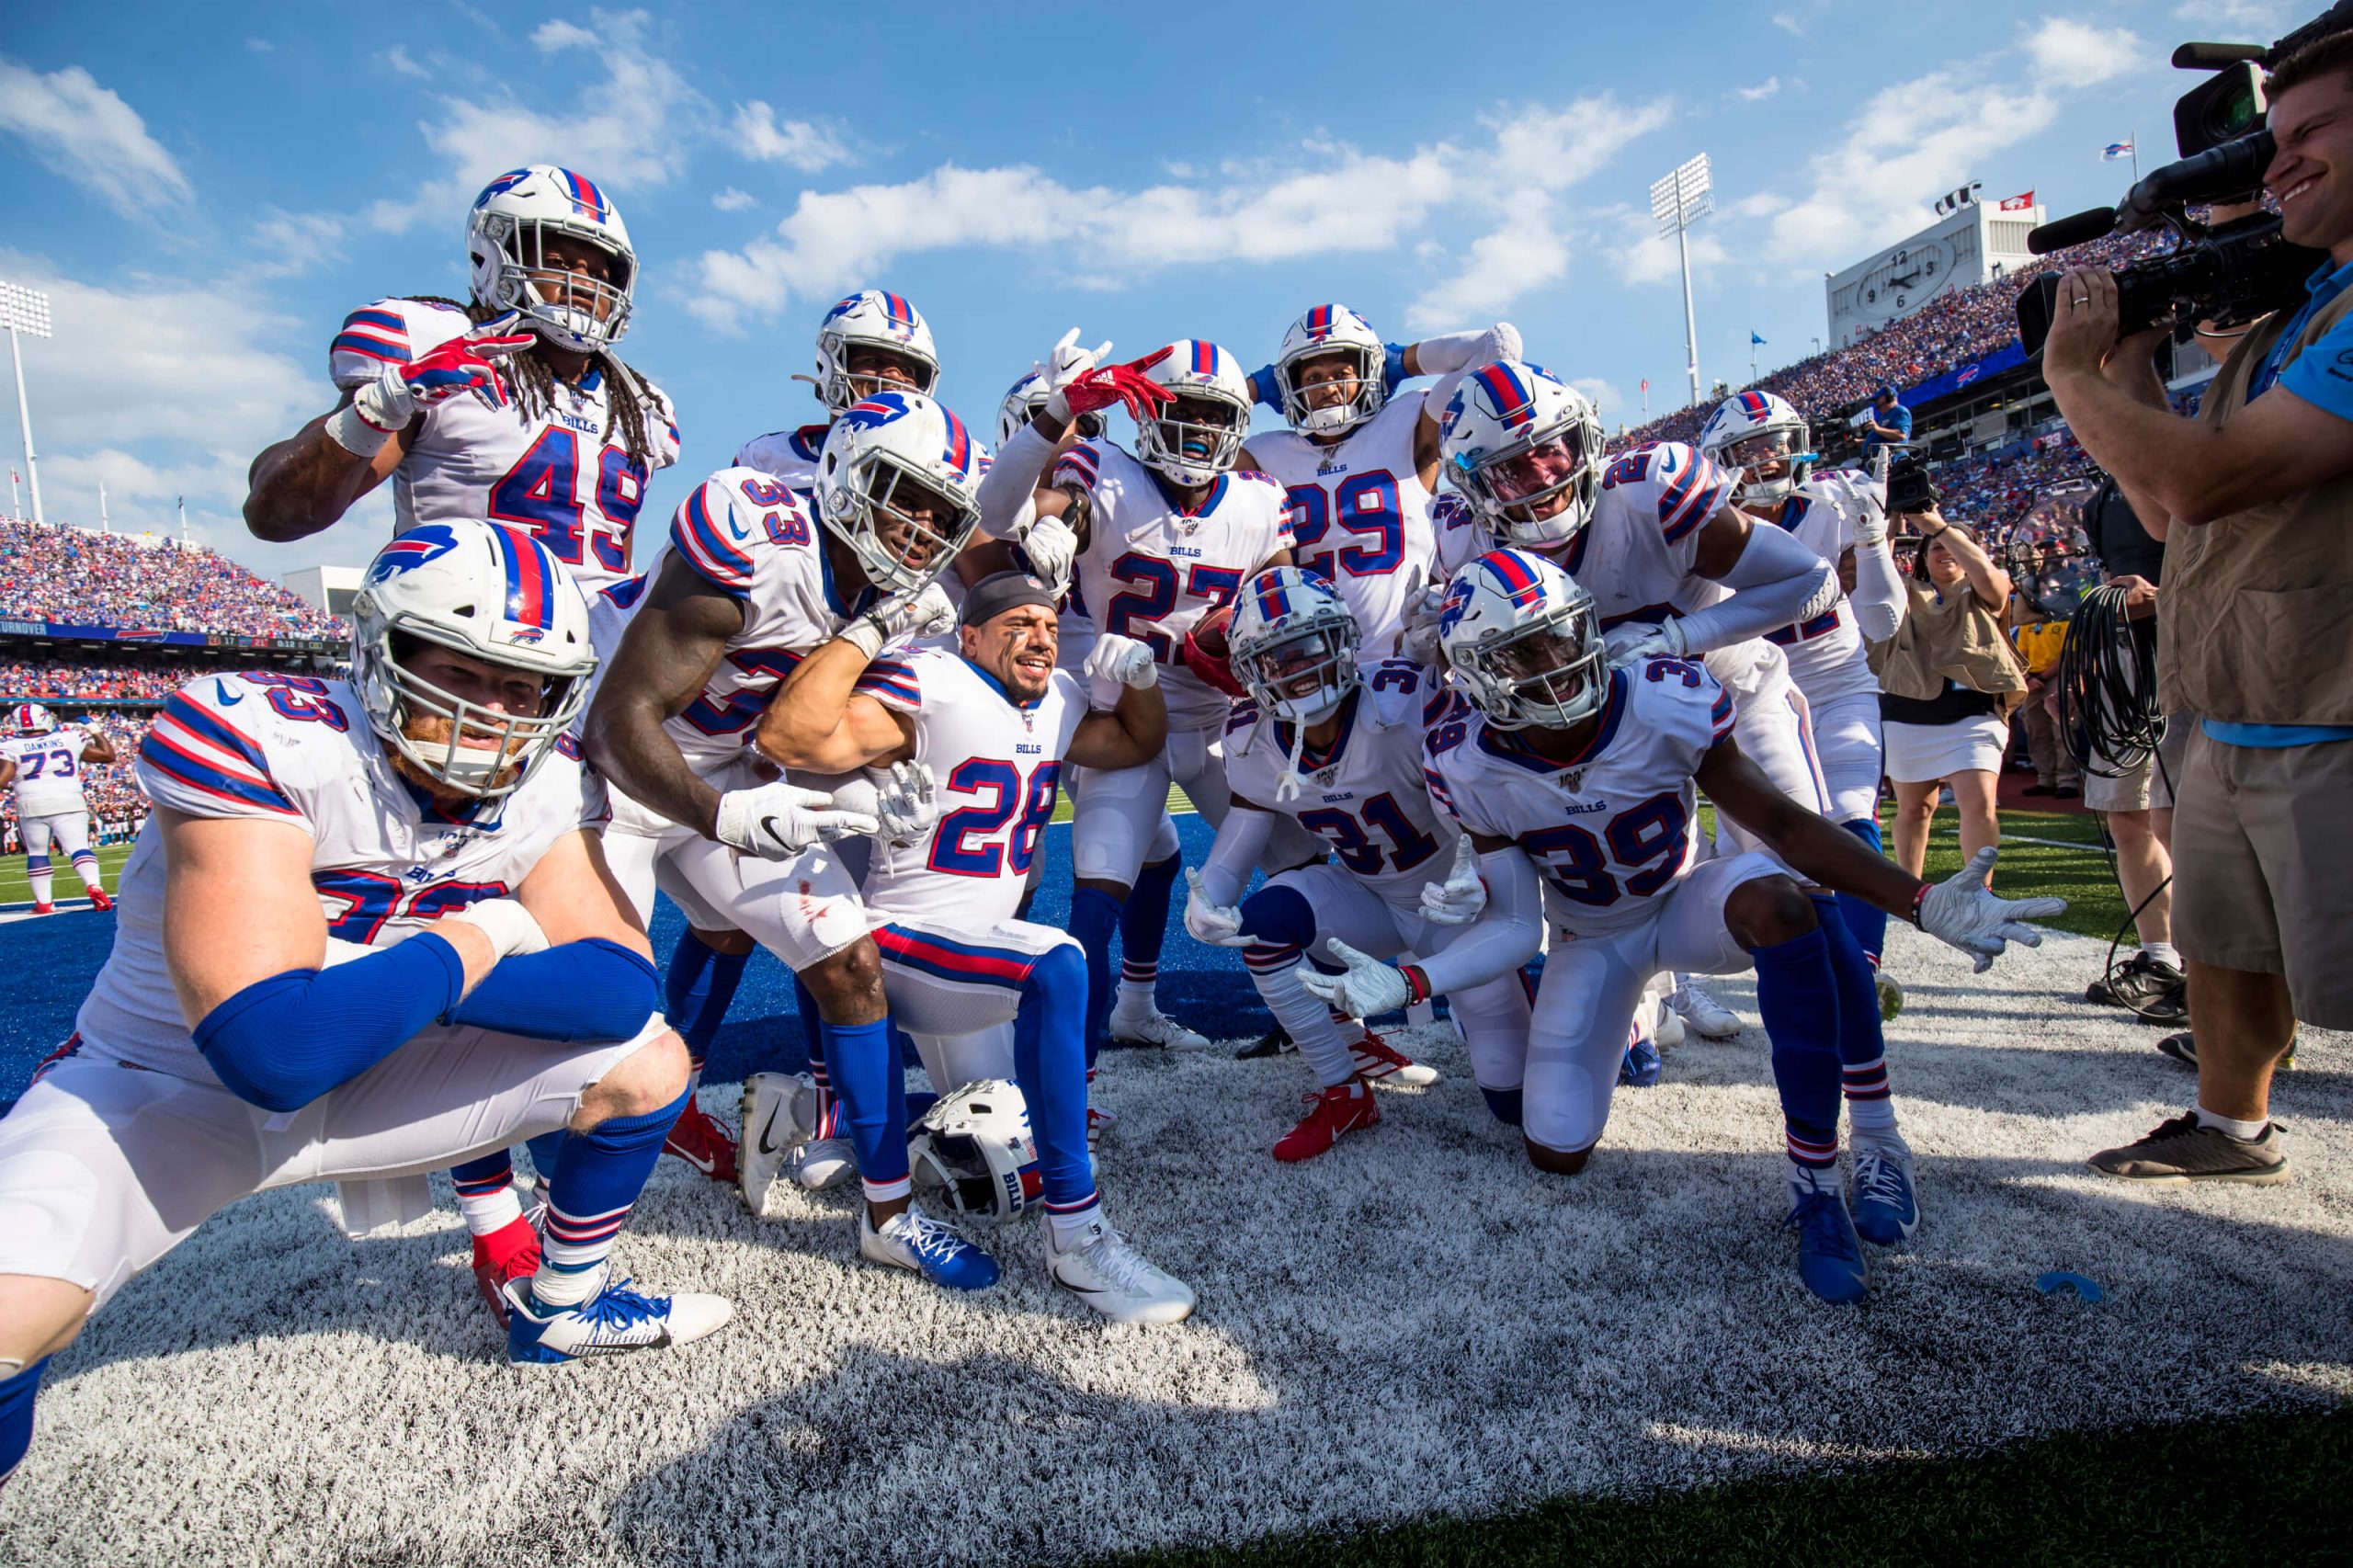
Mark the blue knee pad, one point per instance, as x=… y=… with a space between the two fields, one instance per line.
x=1277 y=915
x=1867 y=921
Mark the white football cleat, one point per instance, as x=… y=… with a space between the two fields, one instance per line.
x=612 y=1321
x=779 y=1116
x=1667 y=1032
x=1703 y=1012
x=1378 y=1062
x=1098 y=1123
x=1100 y=1268
x=1155 y=1028
x=822 y=1163
x=914 y=1240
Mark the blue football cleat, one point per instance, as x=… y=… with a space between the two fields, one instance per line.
x=613 y=1321
x=916 y=1240
x=1887 y=1206
x=1640 y=1067
x=1830 y=1257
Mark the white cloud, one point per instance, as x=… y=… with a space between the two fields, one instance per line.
x=733 y=200
x=397 y=57
x=1642 y=256
x=287 y=244
x=1760 y=92
x=259 y=45
x=1524 y=254
x=2255 y=20
x=1789 y=24
x=88 y=134
x=555 y=34
x=2068 y=54
x=1604 y=395
x=804 y=146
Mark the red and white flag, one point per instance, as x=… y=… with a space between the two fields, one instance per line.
x=2018 y=204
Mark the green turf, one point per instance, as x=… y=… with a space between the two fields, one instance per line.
x=14 y=889
x=2269 y=1488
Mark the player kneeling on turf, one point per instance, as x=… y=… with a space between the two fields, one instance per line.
x=995 y=722
x=1580 y=777
x=370 y=933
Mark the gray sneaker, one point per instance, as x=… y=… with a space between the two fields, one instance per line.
x=2185 y=1149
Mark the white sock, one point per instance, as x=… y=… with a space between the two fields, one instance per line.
x=1136 y=999
x=487 y=1212
x=42 y=884
x=1068 y=1228
x=2164 y=952
x=2245 y=1131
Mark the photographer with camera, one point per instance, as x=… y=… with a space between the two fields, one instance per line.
x=2254 y=499
x=1890 y=424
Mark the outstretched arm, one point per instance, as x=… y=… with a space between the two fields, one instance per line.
x=305 y=483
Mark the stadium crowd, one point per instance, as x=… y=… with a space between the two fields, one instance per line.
x=77 y=577
x=65 y=678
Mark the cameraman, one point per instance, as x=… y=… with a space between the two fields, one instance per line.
x=1890 y=424
x=2255 y=500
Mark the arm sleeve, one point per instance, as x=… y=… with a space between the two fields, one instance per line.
x=1240 y=839
x=282 y=1043
x=1776 y=582
x=1879 y=597
x=1012 y=479
x=592 y=989
x=1505 y=937
x=2322 y=374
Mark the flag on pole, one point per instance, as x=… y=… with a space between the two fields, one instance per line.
x=1646 y=383
x=1954 y=201
x=2019 y=203
x=1753 y=341
x=2116 y=149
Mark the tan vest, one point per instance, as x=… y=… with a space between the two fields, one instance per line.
x=2256 y=618
x=1955 y=638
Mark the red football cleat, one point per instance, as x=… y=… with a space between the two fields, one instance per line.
x=510 y=1252
x=100 y=900
x=703 y=1141
x=1376 y=1059
x=44 y=909
x=1336 y=1111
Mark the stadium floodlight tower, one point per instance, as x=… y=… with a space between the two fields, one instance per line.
x=24 y=310
x=1677 y=201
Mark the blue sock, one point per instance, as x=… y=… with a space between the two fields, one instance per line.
x=1797 y=997
x=697 y=991
x=598 y=1175
x=873 y=1094
x=1504 y=1104
x=1143 y=924
x=1867 y=921
x=1049 y=1064
x=16 y=1395
x=1859 y=1038
x=1093 y=915
x=546 y=1151
x=812 y=1029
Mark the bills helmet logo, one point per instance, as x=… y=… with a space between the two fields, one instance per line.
x=1451 y=609
x=426 y=542
x=873 y=413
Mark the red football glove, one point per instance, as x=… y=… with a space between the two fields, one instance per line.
x=1126 y=384
x=467 y=364
x=1214 y=667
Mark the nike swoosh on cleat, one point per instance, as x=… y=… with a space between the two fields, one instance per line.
x=765 y=1146
x=705 y=1165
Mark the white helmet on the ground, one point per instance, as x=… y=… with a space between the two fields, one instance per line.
x=1525 y=641
x=1197 y=436
x=490 y=593
x=1525 y=450
x=30 y=719
x=974 y=1145
x=1753 y=430
x=506 y=235
x=1290 y=629
x=876 y=319
x=1331 y=330
x=883 y=453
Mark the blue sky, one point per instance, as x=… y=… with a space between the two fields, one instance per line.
x=206 y=192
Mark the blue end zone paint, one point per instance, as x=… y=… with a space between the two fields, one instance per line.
x=52 y=961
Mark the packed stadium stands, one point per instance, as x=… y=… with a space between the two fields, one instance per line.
x=77 y=577
x=65 y=678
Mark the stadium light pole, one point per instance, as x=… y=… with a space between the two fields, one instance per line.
x=24 y=310
x=1682 y=197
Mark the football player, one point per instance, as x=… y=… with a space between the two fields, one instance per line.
x=1359 y=463
x=995 y=722
x=1764 y=442
x=369 y=931
x=872 y=342
x=43 y=762
x=1338 y=748
x=757 y=579
x=1575 y=777
x=1165 y=535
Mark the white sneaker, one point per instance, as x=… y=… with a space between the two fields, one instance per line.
x=1098 y=1123
x=1155 y=1028
x=1667 y=1032
x=1703 y=1012
x=615 y=1320
x=779 y=1116
x=1104 y=1271
x=822 y=1163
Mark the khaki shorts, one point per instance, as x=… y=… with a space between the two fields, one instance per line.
x=2263 y=868
x=2143 y=787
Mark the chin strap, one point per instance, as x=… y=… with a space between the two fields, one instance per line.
x=1288 y=788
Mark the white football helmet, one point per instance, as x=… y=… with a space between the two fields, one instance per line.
x=1293 y=644
x=974 y=1145
x=1194 y=439
x=881 y=453
x=493 y=594
x=1022 y=401
x=872 y=319
x=505 y=236
x=1324 y=332
x=1525 y=450
x=30 y=719
x=1525 y=641
x=1756 y=431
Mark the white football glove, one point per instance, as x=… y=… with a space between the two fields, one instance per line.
x=1067 y=361
x=1365 y=990
x=924 y=614
x=1417 y=636
x=1498 y=343
x=1631 y=641
x=1462 y=897
x=907 y=801
x=1870 y=513
x=510 y=928
x=1218 y=924
x=1052 y=549
x=776 y=821
x=1121 y=661
x=1960 y=910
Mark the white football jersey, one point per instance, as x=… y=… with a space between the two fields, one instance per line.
x=384 y=859
x=1151 y=571
x=1366 y=796
x=789 y=455
x=999 y=766
x=1616 y=828
x=1359 y=514
x=1634 y=555
x=48 y=771
x=558 y=476
x=1459 y=539
x=1827 y=655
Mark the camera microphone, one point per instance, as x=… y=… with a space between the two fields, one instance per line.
x=2080 y=229
x=2235 y=168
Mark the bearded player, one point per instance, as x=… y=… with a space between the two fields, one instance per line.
x=43 y=762
x=369 y=932
x=1575 y=779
